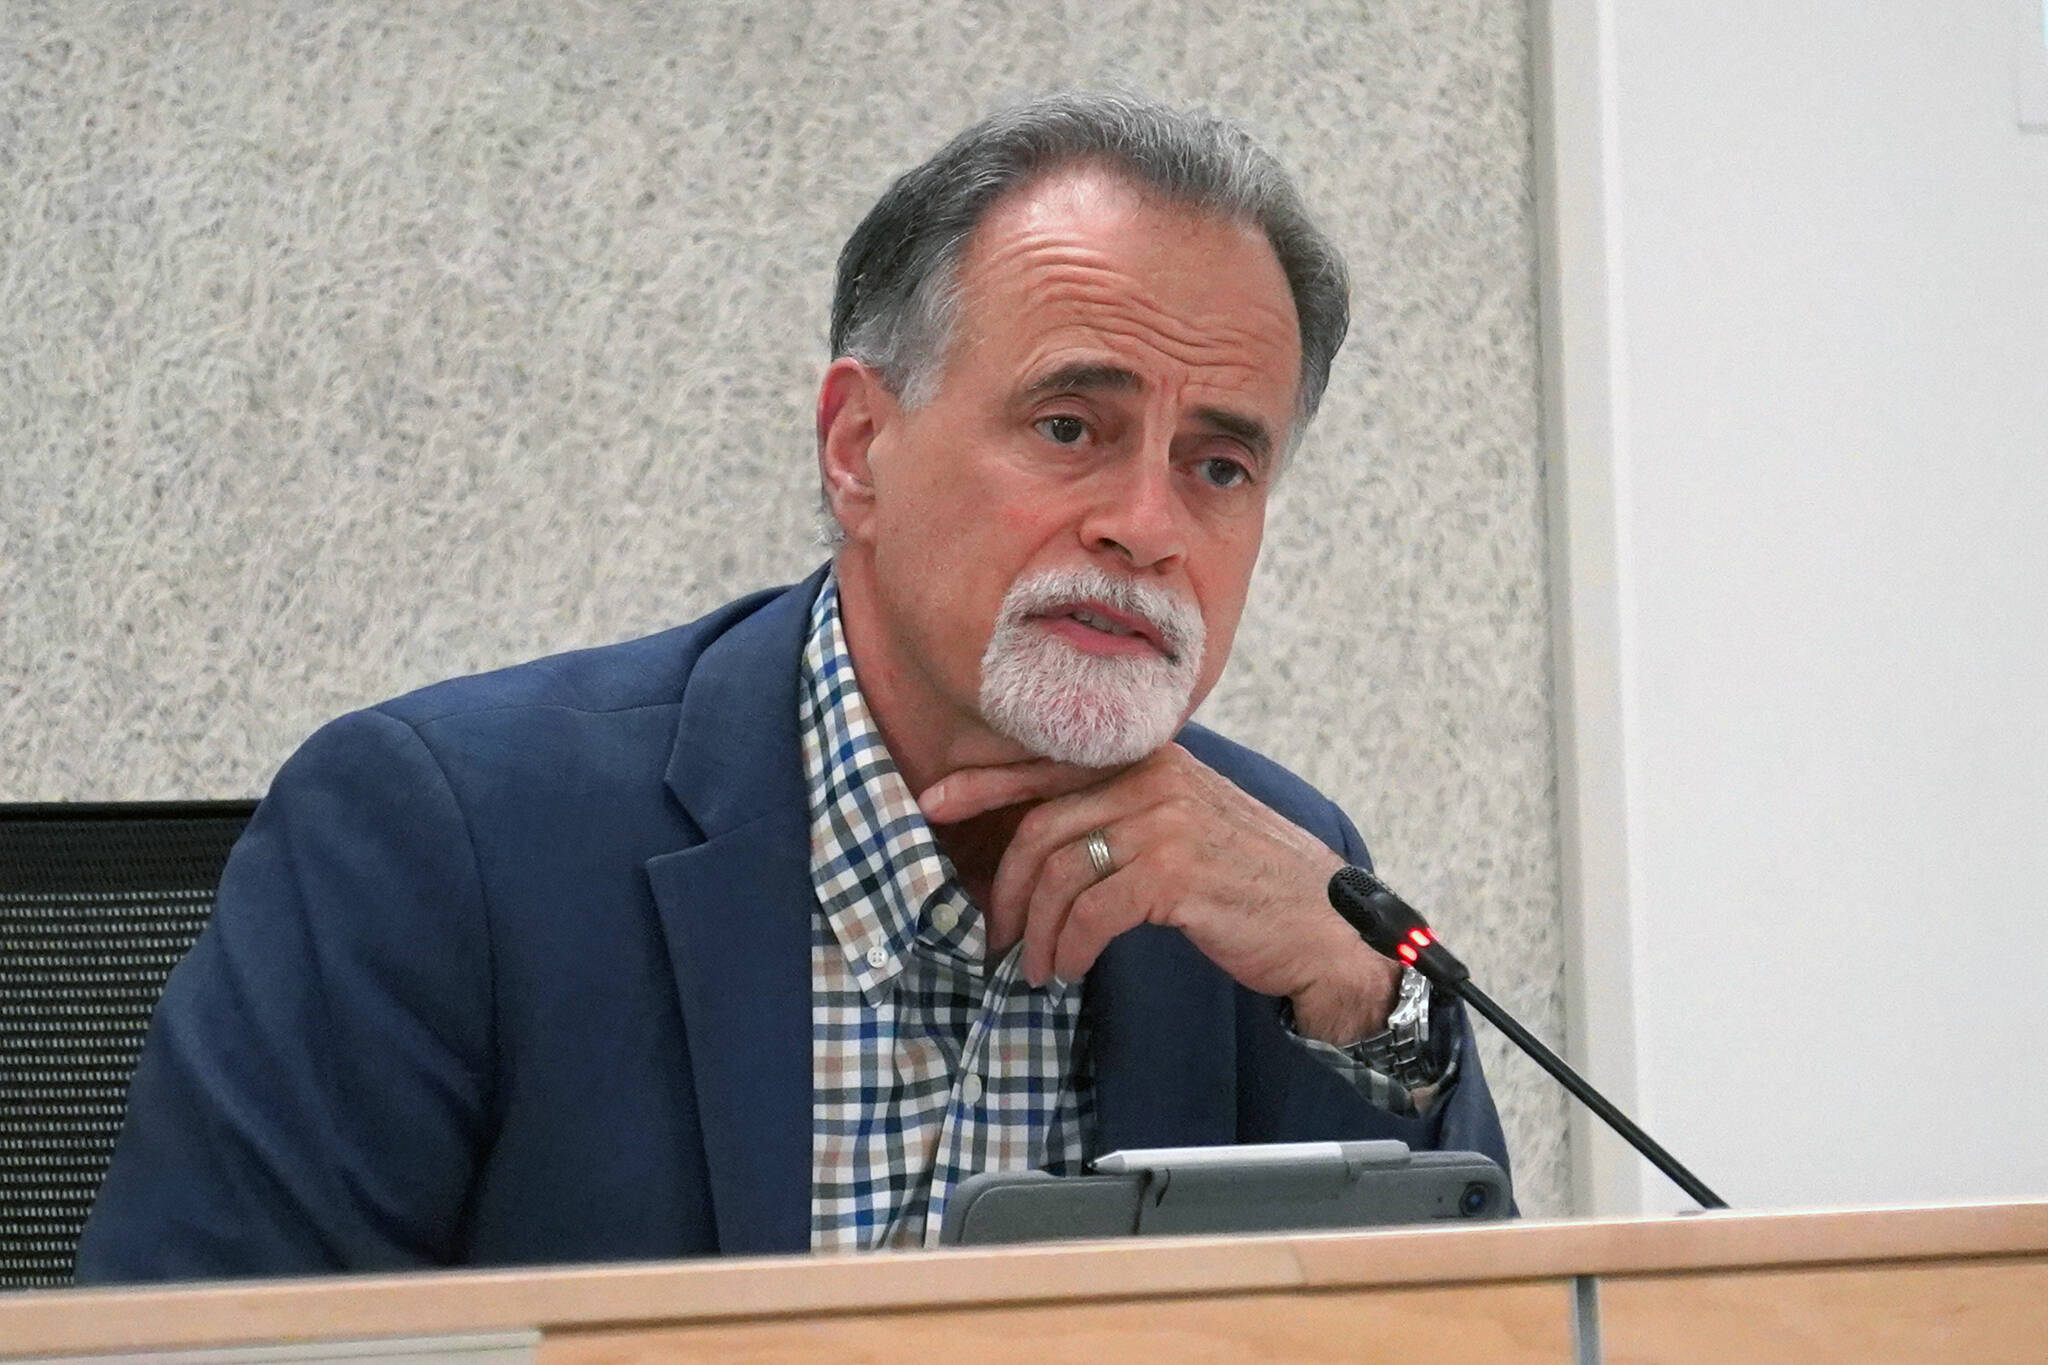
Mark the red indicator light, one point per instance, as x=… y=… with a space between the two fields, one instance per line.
x=1407 y=952
x=1421 y=937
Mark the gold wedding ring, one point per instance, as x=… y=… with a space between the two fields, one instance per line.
x=1098 y=853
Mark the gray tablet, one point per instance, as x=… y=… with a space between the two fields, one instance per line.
x=1273 y=1187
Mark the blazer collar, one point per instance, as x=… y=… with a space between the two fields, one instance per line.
x=736 y=910
x=737 y=755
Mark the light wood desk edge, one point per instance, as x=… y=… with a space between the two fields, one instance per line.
x=86 y=1321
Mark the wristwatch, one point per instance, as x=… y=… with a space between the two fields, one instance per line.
x=1401 y=1050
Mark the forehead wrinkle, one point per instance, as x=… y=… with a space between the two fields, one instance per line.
x=1106 y=305
x=1209 y=358
x=1077 y=274
x=1058 y=260
x=1117 y=310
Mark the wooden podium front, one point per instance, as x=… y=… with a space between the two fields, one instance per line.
x=1962 y=1283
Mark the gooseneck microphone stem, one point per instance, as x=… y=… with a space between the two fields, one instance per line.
x=1390 y=926
x=1591 y=1098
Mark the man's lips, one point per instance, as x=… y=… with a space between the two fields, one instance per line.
x=1103 y=629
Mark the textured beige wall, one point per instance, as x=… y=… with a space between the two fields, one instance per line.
x=348 y=346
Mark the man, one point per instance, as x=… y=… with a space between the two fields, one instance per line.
x=762 y=934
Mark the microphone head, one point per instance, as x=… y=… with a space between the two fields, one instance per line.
x=1358 y=882
x=1369 y=907
x=1390 y=926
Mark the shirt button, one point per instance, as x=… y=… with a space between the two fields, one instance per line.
x=970 y=1089
x=878 y=958
x=945 y=919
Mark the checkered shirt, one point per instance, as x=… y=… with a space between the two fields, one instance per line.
x=927 y=1065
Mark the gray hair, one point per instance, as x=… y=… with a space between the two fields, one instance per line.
x=897 y=297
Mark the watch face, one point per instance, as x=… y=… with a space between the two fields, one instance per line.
x=1411 y=1008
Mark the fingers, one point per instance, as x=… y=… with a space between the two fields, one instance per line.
x=1073 y=915
x=1062 y=879
x=1054 y=826
x=1047 y=867
x=1047 y=864
x=1098 y=915
x=1073 y=910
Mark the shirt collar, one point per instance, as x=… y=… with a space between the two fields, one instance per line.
x=877 y=868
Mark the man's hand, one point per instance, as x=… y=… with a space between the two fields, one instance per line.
x=1188 y=849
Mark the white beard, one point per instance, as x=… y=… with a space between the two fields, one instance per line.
x=1092 y=710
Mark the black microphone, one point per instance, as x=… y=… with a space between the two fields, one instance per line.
x=1391 y=927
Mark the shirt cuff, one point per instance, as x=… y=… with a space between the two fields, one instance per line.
x=1407 y=1068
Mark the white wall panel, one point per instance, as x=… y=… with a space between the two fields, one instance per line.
x=1830 y=248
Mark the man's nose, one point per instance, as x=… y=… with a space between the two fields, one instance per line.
x=1137 y=514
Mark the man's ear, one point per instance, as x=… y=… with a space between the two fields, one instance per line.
x=853 y=408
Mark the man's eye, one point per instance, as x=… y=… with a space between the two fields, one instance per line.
x=1064 y=431
x=1224 y=473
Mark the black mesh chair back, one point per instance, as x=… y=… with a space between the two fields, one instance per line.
x=97 y=904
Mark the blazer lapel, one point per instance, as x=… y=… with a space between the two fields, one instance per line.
x=736 y=910
x=1162 y=1036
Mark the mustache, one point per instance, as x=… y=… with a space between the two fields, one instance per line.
x=1177 y=620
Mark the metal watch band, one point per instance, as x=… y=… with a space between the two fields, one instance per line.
x=1401 y=1050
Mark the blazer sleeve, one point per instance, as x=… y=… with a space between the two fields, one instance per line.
x=1463 y=1118
x=314 y=1090
x=1288 y=1094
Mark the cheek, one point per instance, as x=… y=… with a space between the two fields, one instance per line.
x=918 y=509
x=1223 y=586
x=1221 y=626
x=947 y=554
x=931 y=489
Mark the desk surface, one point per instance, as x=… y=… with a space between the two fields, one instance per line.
x=702 y=1292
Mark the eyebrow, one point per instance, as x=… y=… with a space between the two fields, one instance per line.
x=1250 y=430
x=1086 y=375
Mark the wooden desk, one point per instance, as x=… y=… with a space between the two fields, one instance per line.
x=1934 y=1284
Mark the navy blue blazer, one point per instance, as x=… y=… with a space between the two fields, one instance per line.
x=517 y=969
